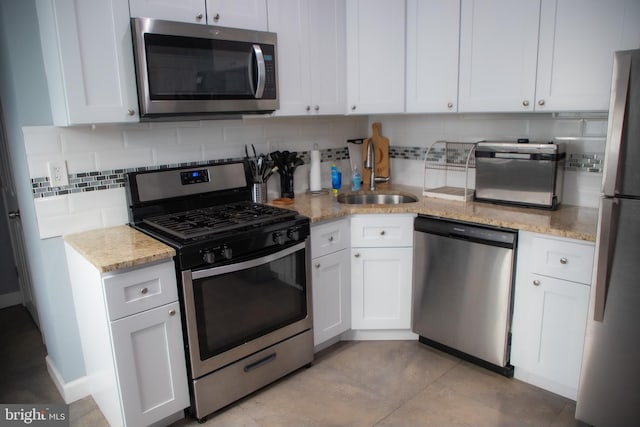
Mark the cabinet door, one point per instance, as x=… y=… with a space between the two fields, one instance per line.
x=150 y=364
x=577 y=42
x=249 y=14
x=550 y=317
x=88 y=59
x=288 y=18
x=498 y=55
x=327 y=56
x=311 y=55
x=171 y=10
x=331 y=296
x=381 y=288
x=375 y=56
x=433 y=34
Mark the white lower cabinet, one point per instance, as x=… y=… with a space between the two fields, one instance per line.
x=381 y=288
x=381 y=269
x=550 y=311
x=331 y=296
x=330 y=275
x=131 y=337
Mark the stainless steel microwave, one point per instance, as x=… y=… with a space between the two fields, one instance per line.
x=192 y=71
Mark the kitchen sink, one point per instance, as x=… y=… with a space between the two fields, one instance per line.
x=376 y=198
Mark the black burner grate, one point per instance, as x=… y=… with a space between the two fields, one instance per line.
x=217 y=219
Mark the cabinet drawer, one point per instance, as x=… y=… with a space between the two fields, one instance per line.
x=329 y=237
x=382 y=230
x=141 y=289
x=563 y=259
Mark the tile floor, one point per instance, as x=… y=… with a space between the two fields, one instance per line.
x=366 y=383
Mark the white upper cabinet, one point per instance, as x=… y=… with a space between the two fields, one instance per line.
x=311 y=55
x=577 y=41
x=375 y=56
x=433 y=30
x=249 y=14
x=498 y=54
x=88 y=59
x=171 y=10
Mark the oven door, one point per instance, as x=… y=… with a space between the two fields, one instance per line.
x=235 y=310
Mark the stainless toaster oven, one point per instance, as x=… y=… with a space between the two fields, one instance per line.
x=521 y=173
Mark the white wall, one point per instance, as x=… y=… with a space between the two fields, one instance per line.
x=25 y=102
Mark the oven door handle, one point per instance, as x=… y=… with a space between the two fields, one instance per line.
x=215 y=271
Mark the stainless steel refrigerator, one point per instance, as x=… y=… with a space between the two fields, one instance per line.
x=609 y=391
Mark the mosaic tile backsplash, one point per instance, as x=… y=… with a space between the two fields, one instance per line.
x=116 y=178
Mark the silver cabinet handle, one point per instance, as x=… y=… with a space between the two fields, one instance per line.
x=198 y=17
x=353 y=108
x=14 y=214
x=317 y=265
x=216 y=18
x=563 y=260
x=317 y=108
x=357 y=255
x=131 y=111
x=525 y=103
x=450 y=105
x=144 y=291
x=382 y=233
x=172 y=312
x=331 y=238
x=536 y=282
x=308 y=108
x=541 y=102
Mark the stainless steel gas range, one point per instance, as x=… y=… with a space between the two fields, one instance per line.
x=243 y=274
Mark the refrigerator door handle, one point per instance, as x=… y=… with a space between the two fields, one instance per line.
x=606 y=243
x=617 y=108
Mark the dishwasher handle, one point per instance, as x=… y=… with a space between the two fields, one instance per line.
x=464 y=231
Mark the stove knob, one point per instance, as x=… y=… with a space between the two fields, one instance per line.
x=226 y=252
x=209 y=257
x=278 y=238
x=294 y=234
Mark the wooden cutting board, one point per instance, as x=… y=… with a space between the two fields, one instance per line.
x=381 y=145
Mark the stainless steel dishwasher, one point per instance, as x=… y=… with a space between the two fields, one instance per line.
x=462 y=290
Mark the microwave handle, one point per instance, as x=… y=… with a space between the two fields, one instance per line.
x=257 y=51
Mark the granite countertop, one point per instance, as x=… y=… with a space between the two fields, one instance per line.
x=568 y=221
x=117 y=248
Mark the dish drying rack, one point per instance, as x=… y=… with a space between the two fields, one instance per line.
x=449 y=157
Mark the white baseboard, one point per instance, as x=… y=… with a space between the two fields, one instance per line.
x=10 y=299
x=71 y=391
x=546 y=383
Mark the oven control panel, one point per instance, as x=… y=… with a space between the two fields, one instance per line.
x=240 y=247
x=194 y=176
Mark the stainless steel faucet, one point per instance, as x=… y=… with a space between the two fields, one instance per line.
x=370 y=163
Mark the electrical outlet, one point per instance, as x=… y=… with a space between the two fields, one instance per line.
x=58 y=175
